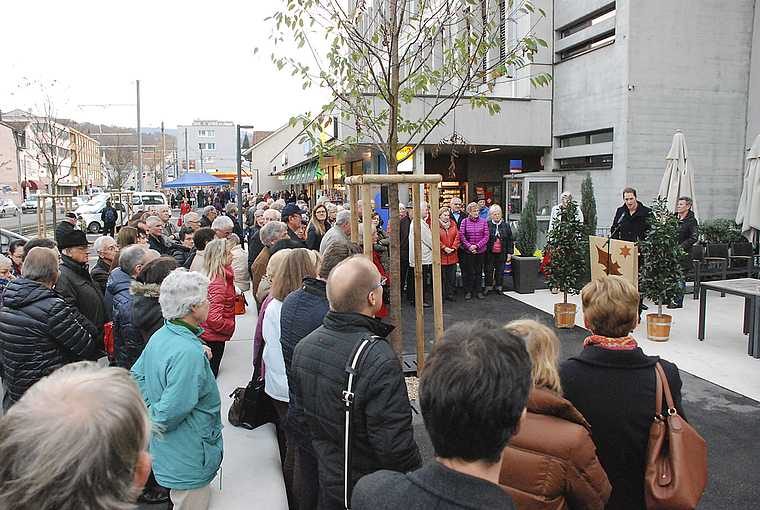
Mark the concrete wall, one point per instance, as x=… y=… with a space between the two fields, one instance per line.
x=673 y=65
x=689 y=65
x=753 y=101
x=590 y=93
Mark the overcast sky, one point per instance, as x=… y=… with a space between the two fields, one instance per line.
x=194 y=60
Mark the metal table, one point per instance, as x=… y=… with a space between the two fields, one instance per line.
x=749 y=289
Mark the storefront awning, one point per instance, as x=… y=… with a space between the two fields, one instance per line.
x=302 y=174
x=32 y=184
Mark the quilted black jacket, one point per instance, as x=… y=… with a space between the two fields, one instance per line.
x=39 y=333
x=383 y=437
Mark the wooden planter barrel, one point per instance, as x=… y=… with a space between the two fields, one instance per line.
x=564 y=315
x=658 y=327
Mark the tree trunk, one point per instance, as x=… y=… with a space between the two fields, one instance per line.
x=392 y=164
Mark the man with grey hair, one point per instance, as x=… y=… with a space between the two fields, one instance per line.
x=169 y=229
x=270 y=234
x=209 y=215
x=156 y=239
x=39 y=331
x=254 y=242
x=223 y=227
x=382 y=435
x=341 y=231
x=77 y=439
x=191 y=220
x=106 y=248
x=231 y=212
x=127 y=338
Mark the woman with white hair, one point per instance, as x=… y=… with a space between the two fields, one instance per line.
x=220 y=325
x=179 y=388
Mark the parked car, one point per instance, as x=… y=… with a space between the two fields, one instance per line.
x=91 y=212
x=7 y=206
x=6 y=238
x=142 y=199
x=30 y=204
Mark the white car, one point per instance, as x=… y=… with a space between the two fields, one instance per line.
x=91 y=212
x=30 y=204
x=7 y=206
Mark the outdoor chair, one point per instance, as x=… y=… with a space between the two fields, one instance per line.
x=705 y=267
x=742 y=259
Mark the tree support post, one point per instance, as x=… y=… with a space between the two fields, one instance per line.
x=365 y=181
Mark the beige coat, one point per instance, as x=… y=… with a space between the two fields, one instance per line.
x=240 y=266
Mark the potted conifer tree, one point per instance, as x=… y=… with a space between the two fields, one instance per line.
x=525 y=266
x=565 y=268
x=660 y=271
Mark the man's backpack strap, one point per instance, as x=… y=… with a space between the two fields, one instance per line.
x=352 y=368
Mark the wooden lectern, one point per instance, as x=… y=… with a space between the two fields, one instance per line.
x=617 y=258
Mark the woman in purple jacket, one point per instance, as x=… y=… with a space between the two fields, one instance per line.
x=473 y=234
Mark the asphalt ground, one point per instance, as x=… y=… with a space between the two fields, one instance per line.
x=729 y=422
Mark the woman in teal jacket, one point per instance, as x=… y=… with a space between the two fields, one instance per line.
x=180 y=390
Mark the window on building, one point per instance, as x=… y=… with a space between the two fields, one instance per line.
x=591 y=137
x=592 y=42
x=602 y=162
x=207 y=133
x=207 y=146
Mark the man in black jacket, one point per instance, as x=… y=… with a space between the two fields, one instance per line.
x=630 y=222
x=75 y=283
x=39 y=331
x=67 y=225
x=292 y=217
x=382 y=435
x=106 y=249
x=302 y=312
x=481 y=371
x=688 y=233
x=108 y=217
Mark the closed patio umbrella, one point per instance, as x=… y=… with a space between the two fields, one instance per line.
x=678 y=180
x=748 y=215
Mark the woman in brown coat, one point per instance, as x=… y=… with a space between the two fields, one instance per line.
x=551 y=462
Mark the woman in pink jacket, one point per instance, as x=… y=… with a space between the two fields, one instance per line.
x=220 y=325
x=473 y=234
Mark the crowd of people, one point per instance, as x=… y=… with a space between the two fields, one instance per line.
x=511 y=425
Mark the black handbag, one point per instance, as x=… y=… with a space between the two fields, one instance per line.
x=251 y=406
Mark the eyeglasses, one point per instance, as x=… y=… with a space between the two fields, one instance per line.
x=382 y=282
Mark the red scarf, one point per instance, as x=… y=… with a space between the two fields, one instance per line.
x=626 y=343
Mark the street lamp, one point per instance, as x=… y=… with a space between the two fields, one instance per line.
x=239 y=186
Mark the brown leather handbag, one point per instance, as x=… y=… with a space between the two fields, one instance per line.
x=676 y=472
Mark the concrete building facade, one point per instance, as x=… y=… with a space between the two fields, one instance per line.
x=210 y=146
x=629 y=74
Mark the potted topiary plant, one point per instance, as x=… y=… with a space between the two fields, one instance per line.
x=660 y=271
x=565 y=268
x=525 y=266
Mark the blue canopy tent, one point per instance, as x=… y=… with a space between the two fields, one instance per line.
x=196 y=179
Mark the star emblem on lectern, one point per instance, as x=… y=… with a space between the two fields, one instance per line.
x=625 y=251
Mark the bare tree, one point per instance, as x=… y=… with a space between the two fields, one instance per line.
x=51 y=140
x=397 y=68
x=118 y=162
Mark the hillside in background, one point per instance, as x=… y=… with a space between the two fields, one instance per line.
x=116 y=136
